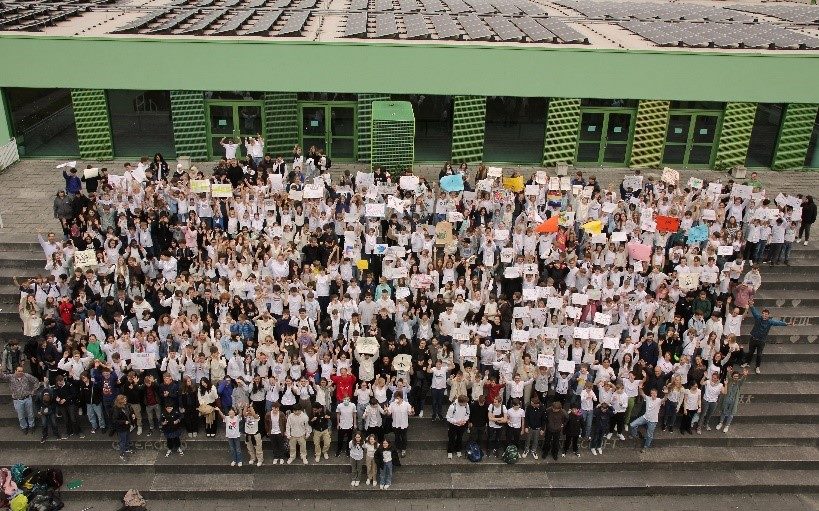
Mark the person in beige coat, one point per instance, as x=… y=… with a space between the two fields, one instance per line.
x=296 y=432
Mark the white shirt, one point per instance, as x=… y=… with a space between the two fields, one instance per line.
x=652 y=409
x=712 y=392
x=515 y=417
x=400 y=414
x=230 y=150
x=346 y=412
x=438 y=378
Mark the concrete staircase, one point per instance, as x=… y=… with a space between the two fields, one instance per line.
x=772 y=448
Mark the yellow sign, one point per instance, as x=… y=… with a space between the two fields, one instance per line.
x=362 y=264
x=200 y=185
x=513 y=183
x=221 y=190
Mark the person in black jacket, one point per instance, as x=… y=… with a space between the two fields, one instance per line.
x=808 y=217
x=171 y=425
x=65 y=395
x=555 y=420
x=123 y=420
x=573 y=429
x=90 y=399
x=535 y=415
x=386 y=458
x=600 y=426
x=478 y=421
x=134 y=390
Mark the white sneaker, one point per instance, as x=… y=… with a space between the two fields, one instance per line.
x=758 y=371
x=459 y=455
x=725 y=429
x=239 y=464
x=421 y=414
x=594 y=452
x=352 y=483
x=318 y=458
x=304 y=461
x=609 y=436
x=232 y=463
x=620 y=436
x=259 y=463
x=281 y=461
x=381 y=486
x=719 y=426
x=326 y=457
x=139 y=430
x=386 y=487
x=525 y=454
x=625 y=427
x=563 y=455
x=534 y=455
x=168 y=453
x=806 y=243
x=290 y=460
x=449 y=455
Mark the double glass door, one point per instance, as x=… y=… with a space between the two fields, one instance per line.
x=605 y=137
x=691 y=138
x=329 y=126
x=233 y=120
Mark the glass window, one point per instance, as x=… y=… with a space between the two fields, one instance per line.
x=609 y=103
x=141 y=123
x=42 y=120
x=812 y=158
x=515 y=129
x=764 y=134
x=236 y=94
x=433 y=126
x=696 y=105
x=327 y=96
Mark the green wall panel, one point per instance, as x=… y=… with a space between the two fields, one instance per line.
x=393 y=135
x=562 y=124
x=794 y=136
x=281 y=111
x=649 y=133
x=364 y=121
x=5 y=121
x=189 y=128
x=93 y=124
x=468 y=125
x=737 y=123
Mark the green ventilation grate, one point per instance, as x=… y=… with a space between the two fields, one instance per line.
x=737 y=123
x=281 y=112
x=468 y=125
x=393 y=135
x=794 y=136
x=93 y=124
x=364 y=121
x=562 y=123
x=189 y=131
x=649 y=133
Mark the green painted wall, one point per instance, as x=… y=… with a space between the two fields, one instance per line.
x=93 y=124
x=562 y=125
x=189 y=128
x=794 y=136
x=649 y=133
x=358 y=67
x=5 y=121
x=468 y=128
x=364 y=121
x=737 y=124
x=282 y=122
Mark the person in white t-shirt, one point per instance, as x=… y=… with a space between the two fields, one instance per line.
x=514 y=422
x=712 y=389
x=230 y=148
x=649 y=419
x=400 y=411
x=232 y=433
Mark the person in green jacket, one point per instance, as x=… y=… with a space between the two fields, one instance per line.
x=730 y=400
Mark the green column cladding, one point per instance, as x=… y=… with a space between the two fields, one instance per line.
x=649 y=133
x=364 y=121
x=794 y=136
x=281 y=113
x=393 y=135
x=737 y=123
x=93 y=124
x=468 y=126
x=189 y=129
x=562 y=124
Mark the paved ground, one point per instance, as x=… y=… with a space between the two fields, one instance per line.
x=587 y=503
x=27 y=189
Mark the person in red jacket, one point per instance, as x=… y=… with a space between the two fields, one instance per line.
x=345 y=384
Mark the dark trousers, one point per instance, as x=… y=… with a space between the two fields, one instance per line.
x=618 y=422
x=513 y=436
x=279 y=446
x=454 y=438
x=570 y=441
x=551 y=444
x=71 y=418
x=438 y=403
x=343 y=440
x=755 y=346
x=495 y=438
x=685 y=422
x=400 y=438
x=174 y=443
x=478 y=435
x=50 y=421
x=804 y=231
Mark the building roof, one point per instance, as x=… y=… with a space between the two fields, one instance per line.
x=698 y=25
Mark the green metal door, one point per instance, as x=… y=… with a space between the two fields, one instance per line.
x=605 y=137
x=330 y=126
x=691 y=138
x=233 y=119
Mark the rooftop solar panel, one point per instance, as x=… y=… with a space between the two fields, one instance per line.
x=534 y=31
x=504 y=28
x=506 y=8
x=457 y=6
x=142 y=21
x=432 y=6
x=234 y=23
x=295 y=23
x=174 y=21
x=384 y=5
x=416 y=26
x=264 y=24
x=356 y=24
x=204 y=23
x=563 y=31
x=359 y=5
x=445 y=26
x=385 y=25
x=797 y=13
x=474 y=27
x=722 y=35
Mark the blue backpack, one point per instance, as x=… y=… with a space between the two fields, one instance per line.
x=474 y=452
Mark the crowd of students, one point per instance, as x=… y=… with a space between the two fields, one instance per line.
x=528 y=311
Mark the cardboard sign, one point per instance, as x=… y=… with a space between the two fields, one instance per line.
x=367 y=345
x=364 y=179
x=709 y=214
x=581 y=333
x=200 y=185
x=611 y=343
x=143 y=361
x=402 y=363
x=565 y=366
x=91 y=173
x=633 y=182
x=85 y=258
x=695 y=183
x=408 y=183
x=697 y=234
x=596 y=333
x=375 y=210
x=619 y=236
x=443 y=233
x=667 y=223
x=453 y=183
x=545 y=360
x=688 y=281
x=530 y=294
x=639 y=252
x=221 y=190
x=514 y=184
x=742 y=191
x=714 y=189
x=468 y=351
x=551 y=332
x=554 y=302
x=602 y=319
x=580 y=298
x=670 y=176
x=541 y=177
x=532 y=190
x=395 y=203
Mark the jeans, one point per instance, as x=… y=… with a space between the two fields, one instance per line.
x=597 y=438
x=454 y=438
x=775 y=252
x=235 y=446
x=25 y=412
x=343 y=440
x=438 y=402
x=494 y=438
x=532 y=441
x=551 y=444
x=727 y=413
x=95 y=415
x=71 y=418
x=385 y=473
x=50 y=421
x=587 y=416
x=670 y=414
x=755 y=346
x=123 y=442
x=709 y=408
x=642 y=421
x=786 y=251
x=760 y=250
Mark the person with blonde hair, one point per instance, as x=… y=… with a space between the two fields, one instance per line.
x=122 y=417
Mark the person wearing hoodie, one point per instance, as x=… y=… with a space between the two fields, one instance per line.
x=600 y=426
x=533 y=426
x=48 y=414
x=554 y=423
x=171 y=426
x=90 y=399
x=386 y=459
x=573 y=430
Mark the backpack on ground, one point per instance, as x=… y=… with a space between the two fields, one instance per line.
x=19 y=502
x=20 y=473
x=54 y=478
x=45 y=502
x=474 y=452
x=510 y=455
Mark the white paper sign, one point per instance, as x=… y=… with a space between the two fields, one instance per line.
x=544 y=360
x=573 y=312
x=725 y=250
x=565 y=366
x=714 y=189
x=395 y=203
x=469 y=351
x=503 y=344
x=609 y=207
x=670 y=176
x=619 y=236
x=143 y=361
x=520 y=335
x=85 y=258
x=602 y=319
x=633 y=182
x=541 y=177
x=695 y=183
x=611 y=343
x=596 y=333
x=599 y=238
x=367 y=345
x=580 y=298
x=91 y=173
x=520 y=312
x=530 y=294
x=532 y=190
x=554 y=302
x=581 y=333
x=688 y=281
x=408 y=183
x=374 y=210
x=709 y=214
x=313 y=191
x=743 y=191
x=494 y=171
x=507 y=254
